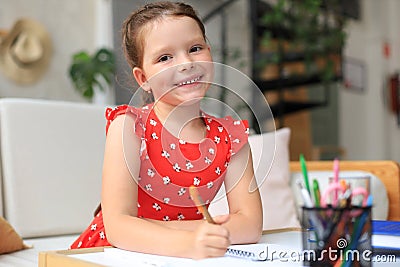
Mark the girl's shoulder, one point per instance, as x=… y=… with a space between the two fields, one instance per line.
x=230 y=124
x=236 y=129
x=139 y=115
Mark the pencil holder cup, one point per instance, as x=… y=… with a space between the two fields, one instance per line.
x=337 y=236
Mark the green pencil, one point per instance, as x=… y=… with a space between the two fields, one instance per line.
x=317 y=194
x=305 y=173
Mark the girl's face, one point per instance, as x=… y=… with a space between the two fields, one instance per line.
x=177 y=63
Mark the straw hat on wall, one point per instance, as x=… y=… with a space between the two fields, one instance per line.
x=25 y=51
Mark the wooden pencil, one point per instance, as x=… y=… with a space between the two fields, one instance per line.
x=199 y=203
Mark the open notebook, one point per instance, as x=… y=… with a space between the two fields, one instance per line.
x=237 y=255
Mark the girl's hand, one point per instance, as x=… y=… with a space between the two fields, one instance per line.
x=211 y=240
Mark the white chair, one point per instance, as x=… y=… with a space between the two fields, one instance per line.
x=51 y=156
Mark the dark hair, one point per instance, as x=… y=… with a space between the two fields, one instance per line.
x=132 y=39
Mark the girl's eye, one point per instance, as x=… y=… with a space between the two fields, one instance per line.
x=164 y=58
x=195 y=49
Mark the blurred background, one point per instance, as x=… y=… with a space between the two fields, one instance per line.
x=327 y=68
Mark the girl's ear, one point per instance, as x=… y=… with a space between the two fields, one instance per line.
x=140 y=78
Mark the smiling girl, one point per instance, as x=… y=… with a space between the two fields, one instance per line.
x=154 y=153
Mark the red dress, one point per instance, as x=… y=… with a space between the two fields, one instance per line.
x=170 y=165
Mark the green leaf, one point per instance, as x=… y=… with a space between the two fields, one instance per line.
x=87 y=72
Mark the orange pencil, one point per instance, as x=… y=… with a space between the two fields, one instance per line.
x=199 y=203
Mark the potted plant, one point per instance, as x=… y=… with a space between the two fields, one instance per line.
x=92 y=74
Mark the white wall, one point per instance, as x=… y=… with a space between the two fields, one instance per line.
x=367 y=130
x=71 y=27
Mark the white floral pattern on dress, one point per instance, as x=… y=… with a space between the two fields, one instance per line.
x=181 y=191
x=102 y=235
x=196 y=181
x=165 y=154
x=151 y=173
x=156 y=206
x=166 y=179
x=176 y=167
x=153 y=122
x=189 y=165
x=154 y=136
x=180 y=217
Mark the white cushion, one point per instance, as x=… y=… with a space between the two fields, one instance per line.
x=52 y=155
x=1 y=195
x=380 y=207
x=272 y=173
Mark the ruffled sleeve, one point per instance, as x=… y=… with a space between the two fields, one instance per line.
x=238 y=131
x=112 y=113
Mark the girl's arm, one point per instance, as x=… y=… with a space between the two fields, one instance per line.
x=245 y=208
x=119 y=205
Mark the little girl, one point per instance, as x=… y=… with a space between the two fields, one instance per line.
x=154 y=153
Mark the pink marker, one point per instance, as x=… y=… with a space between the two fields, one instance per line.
x=335 y=178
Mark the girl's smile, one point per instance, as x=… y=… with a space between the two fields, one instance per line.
x=189 y=81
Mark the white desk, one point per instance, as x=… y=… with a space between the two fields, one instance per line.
x=289 y=242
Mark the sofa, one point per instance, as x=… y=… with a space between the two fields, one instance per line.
x=51 y=162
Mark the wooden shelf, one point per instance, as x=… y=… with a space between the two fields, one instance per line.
x=294 y=106
x=290 y=82
x=290 y=107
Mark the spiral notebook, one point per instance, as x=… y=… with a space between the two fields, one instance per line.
x=255 y=252
x=260 y=252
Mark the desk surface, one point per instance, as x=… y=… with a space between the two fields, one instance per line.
x=287 y=242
